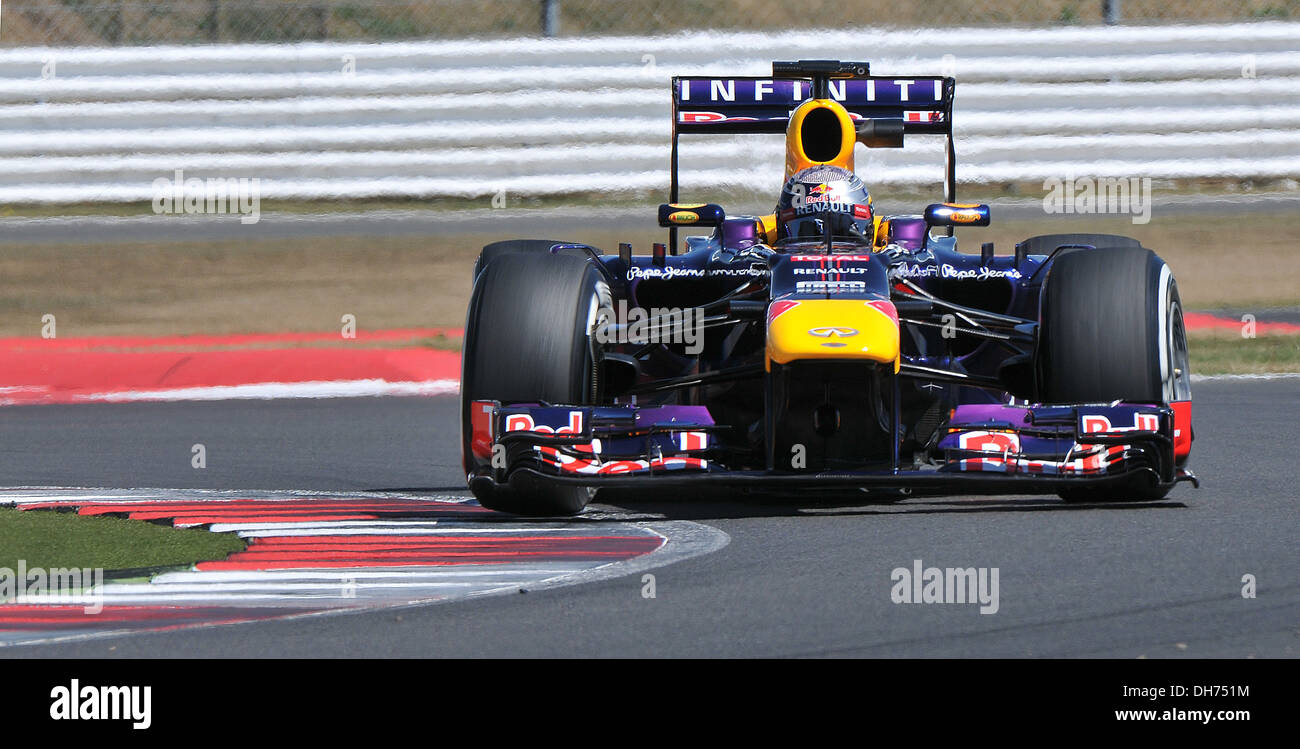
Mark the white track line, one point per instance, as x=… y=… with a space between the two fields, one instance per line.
x=320 y=524
x=443 y=531
x=41 y=494
x=1246 y=377
x=272 y=390
x=433 y=574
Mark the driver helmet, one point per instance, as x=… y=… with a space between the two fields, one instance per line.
x=823 y=197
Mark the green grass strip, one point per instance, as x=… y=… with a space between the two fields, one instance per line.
x=65 y=539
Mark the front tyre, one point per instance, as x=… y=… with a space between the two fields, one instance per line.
x=525 y=246
x=1112 y=329
x=1046 y=244
x=528 y=339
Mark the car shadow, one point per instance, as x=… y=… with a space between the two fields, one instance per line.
x=621 y=506
x=625 y=507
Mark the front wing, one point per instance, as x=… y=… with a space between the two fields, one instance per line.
x=981 y=449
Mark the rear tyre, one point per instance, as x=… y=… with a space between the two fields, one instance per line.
x=528 y=340
x=1111 y=329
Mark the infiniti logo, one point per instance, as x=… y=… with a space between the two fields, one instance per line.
x=833 y=332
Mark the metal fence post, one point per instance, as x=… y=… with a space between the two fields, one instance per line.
x=1110 y=11
x=212 y=22
x=550 y=17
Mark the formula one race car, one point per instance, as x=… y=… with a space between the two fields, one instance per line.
x=823 y=346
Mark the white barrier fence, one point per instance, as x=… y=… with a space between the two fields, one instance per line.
x=537 y=117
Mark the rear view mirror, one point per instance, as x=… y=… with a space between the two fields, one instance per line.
x=691 y=214
x=957 y=214
x=881 y=133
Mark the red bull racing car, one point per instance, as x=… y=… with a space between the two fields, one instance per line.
x=823 y=346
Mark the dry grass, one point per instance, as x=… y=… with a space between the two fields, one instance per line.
x=243 y=287
x=398 y=282
x=233 y=287
x=1255 y=264
x=1226 y=352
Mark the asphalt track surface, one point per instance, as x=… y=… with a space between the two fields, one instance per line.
x=801 y=577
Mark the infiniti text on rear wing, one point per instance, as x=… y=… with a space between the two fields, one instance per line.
x=758 y=104
x=763 y=105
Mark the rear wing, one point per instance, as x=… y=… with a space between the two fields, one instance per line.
x=753 y=104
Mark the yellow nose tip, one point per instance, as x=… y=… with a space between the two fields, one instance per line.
x=832 y=329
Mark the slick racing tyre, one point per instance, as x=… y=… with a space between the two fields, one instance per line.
x=1045 y=244
x=528 y=340
x=528 y=246
x=1111 y=329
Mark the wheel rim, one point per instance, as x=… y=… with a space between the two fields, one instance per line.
x=1179 y=386
x=601 y=298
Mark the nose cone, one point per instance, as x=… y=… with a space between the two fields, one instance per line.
x=865 y=329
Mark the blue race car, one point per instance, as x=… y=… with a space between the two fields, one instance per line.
x=823 y=346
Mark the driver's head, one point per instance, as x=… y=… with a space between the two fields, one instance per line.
x=820 y=197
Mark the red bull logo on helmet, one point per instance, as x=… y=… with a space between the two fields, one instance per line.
x=822 y=193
